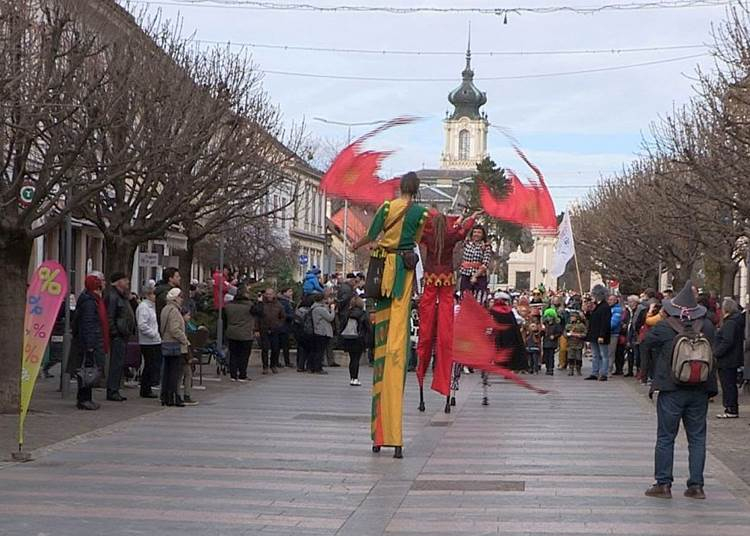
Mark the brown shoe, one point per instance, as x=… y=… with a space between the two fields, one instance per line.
x=695 y=492
x=660 y=491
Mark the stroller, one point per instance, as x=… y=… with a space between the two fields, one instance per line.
x=204 y=351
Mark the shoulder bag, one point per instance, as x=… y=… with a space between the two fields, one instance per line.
x=376 y=267
x=89 y=373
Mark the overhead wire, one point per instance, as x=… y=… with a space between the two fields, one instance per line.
x=481 y=78
x=403 y=10
x=384 y=52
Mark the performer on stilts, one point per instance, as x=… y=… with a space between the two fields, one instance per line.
x=475 y=264
x=436 y=306
x=401 y=223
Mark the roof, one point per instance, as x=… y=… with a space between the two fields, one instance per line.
x=358 y=222
x=466 y=98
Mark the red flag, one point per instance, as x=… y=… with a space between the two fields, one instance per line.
x=353 y=174
x=473 y=347
x=530 y=206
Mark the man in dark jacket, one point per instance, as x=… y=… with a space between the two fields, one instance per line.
x=728 y=352
x=677 y=402
x=121 y=329
x=600 y=330
x=285 y=299
x=272 y=320
x=170 y=278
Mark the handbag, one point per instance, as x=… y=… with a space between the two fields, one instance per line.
x=375 y=269
x=170 y=349
x=89 y=373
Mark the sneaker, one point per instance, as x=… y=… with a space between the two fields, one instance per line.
x=660 y=491
x=189 y=401
x=728 y=415
x=232 y=379
x=695 y=492
x=115 y=397
x=592 y=377
x=355 y=382
x=243 y=380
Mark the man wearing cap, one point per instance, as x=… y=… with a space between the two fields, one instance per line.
x=677 y=402
x=121 y=329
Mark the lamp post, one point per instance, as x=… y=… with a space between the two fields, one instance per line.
x=349 y=126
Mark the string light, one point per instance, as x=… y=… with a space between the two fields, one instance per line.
x=400 y=10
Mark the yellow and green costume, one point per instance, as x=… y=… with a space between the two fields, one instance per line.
x=392 y=317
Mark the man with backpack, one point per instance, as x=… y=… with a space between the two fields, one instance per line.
x=685 y=378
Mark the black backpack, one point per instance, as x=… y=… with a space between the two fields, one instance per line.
x=302 y=323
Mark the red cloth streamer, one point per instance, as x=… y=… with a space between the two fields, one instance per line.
x=353 y=174
x=529 y=206
x=473 y=347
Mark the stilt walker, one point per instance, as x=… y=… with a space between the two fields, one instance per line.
x=436 y=306
x=400 y=222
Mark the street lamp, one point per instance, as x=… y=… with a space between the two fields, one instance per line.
x=349 y=126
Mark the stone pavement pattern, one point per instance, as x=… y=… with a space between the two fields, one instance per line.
x=290 y=454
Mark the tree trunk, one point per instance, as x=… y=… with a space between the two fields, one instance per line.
x=118 y=256
x=681 y=276
x=186 y=262
x=14 y=265
x=728 y=271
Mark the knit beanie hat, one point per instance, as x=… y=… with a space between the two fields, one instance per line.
x=174 y=294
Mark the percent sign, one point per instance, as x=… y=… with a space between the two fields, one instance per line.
x=48 y=281
x=39 y=331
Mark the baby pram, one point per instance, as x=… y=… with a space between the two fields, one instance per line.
x=204 y=351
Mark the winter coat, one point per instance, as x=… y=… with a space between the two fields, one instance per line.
x=729 y=342
x=576 y=335
x=173 y=326
x=148 y=325
x=288 y=314
x=322 y=318
x=87 y=333
x=272 y=316
x=240 y=320
x=120 y=313
x=600 y=326
x=161 y=290
x=312 y=283
x=552 y=332
x=657 y=349
x=615 y=321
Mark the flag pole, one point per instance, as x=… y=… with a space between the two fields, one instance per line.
x=575 y=258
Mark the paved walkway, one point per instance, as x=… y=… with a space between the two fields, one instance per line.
x=290 y=454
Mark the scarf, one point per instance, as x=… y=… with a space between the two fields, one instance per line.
x=93 y=284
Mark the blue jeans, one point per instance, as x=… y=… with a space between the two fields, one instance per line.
x=691 y=408
x=600 y=353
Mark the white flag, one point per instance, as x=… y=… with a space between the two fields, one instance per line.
x=565 y=247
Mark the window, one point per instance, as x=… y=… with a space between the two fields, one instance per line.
x=464 y=145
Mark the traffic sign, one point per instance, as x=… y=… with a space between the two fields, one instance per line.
x=148 y=260
x=303 y=260
x=26 y=195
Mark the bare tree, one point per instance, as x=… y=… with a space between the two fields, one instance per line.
x=52 y=69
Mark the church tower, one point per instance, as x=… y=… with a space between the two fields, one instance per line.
x=466 y=128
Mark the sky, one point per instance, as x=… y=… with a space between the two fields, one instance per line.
x=576 y=128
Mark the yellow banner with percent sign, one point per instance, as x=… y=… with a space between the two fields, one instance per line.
x=47 y=290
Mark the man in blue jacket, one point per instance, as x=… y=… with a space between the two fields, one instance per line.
x=677 y=402
x=312 y=282
x=615 y=324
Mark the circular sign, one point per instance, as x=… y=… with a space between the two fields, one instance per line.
x=303 y=260
x=26 y=195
